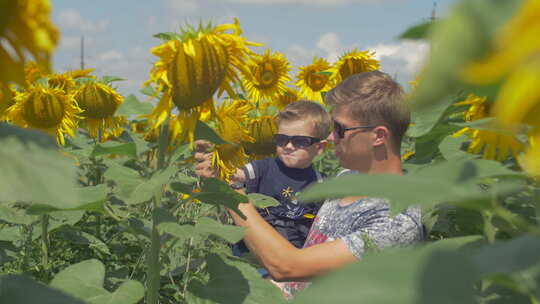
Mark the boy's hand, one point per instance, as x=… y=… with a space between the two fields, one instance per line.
x=204 y=159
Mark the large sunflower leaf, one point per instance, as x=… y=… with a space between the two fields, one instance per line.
x=418 y=32
x=453 y=182
x=85 y=281
x=217 y=192
x=33 y=173
x=90 y=198
x=134 y=189
x=232 y=281
x=203 y=131
x=412 y=276
x=18 y=289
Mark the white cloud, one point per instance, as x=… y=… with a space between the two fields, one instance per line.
x=331 y=44
x=110 y=56
x=72 y=19
x=404 y=58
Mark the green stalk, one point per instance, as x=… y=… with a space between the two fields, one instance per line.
x=45 y=245
x=154 y=265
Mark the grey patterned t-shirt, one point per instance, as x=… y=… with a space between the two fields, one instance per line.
x=366 y=219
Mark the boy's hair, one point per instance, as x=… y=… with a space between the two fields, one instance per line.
x=374 y=99
x=310 y=111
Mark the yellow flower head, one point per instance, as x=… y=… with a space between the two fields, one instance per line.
x=99 y=103
x=267 y=76
x=516 y=61
x=262 y=130
x=7 y=94
x=228 y=157
x=354 y=62
x=530 y=161
x=314 y=79
x=290 y=95
x=61 y=81
x=495 y=145
x=25 y=28
x=47 y=109
x=193 y=68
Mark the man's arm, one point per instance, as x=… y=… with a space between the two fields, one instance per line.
x=284 y=261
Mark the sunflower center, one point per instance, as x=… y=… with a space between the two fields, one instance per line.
x=316 y=81
x=268 y=75
x=352 y=66
x=43 y=110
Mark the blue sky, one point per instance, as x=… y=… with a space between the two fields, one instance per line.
x=118 y=33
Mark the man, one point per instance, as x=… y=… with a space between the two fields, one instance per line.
x=370 y=119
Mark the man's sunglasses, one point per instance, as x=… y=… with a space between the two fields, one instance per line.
x=298 y=141
x=340 y=129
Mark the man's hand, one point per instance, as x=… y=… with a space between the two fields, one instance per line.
x=203 y=158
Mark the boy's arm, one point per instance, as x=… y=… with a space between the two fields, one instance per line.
x=284 y=261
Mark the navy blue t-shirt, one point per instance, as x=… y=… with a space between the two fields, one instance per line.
x=291 y=219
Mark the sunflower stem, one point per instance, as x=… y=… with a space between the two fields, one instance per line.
x=45 y=246
x=154 y=265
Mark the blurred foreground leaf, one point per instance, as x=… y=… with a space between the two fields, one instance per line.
x=18 y=289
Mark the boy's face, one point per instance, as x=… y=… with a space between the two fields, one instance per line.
x=292 y=156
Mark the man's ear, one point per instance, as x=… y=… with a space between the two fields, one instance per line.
x=382 y=135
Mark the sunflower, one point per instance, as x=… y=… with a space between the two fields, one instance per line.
x=495 y=145
x=47 y=109
x=314 y=79
x=530 y=161
x=262 y=130
x=230 y=156
x=99 y=103
x=6 y=99
x=192 y=68
x=267 y=76
x=354 y=62
x=25 y=28
x=515 y=62
x=289 y=96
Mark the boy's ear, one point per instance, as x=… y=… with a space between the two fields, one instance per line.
x=322 y=146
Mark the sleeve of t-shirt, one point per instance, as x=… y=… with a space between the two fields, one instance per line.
x=254 y=171
x=382 y=230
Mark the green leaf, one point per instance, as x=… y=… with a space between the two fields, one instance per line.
x=232 y=281
x=109 y=79
x=148 y=91
x=134 y=189
x=453 y=182
x=133 y=106
x=418 y=32
x=426 y=117
x=412 y=276
x=15 y=215
x=182 y=232
x=203 y=131
x=509 y=256
x=262 y=201
x=108 y=148
x=140 y=143
x=450 y=148
x=216 y=192
x=85 y=281
x=18 y=289
x=32 y=173
x=90 y=198
x=167 y=36
x=229 y=233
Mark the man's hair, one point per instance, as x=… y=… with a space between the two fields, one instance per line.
x=374 y=99
x=309 y=111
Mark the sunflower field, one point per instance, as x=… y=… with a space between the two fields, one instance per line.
x=99 y=202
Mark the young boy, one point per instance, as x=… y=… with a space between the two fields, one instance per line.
x=303 y=127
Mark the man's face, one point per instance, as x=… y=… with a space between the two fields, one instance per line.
x=294 y=157
x=355 y=149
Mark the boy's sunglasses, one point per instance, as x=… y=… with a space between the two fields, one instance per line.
x=340 y=129
x=298 y=141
